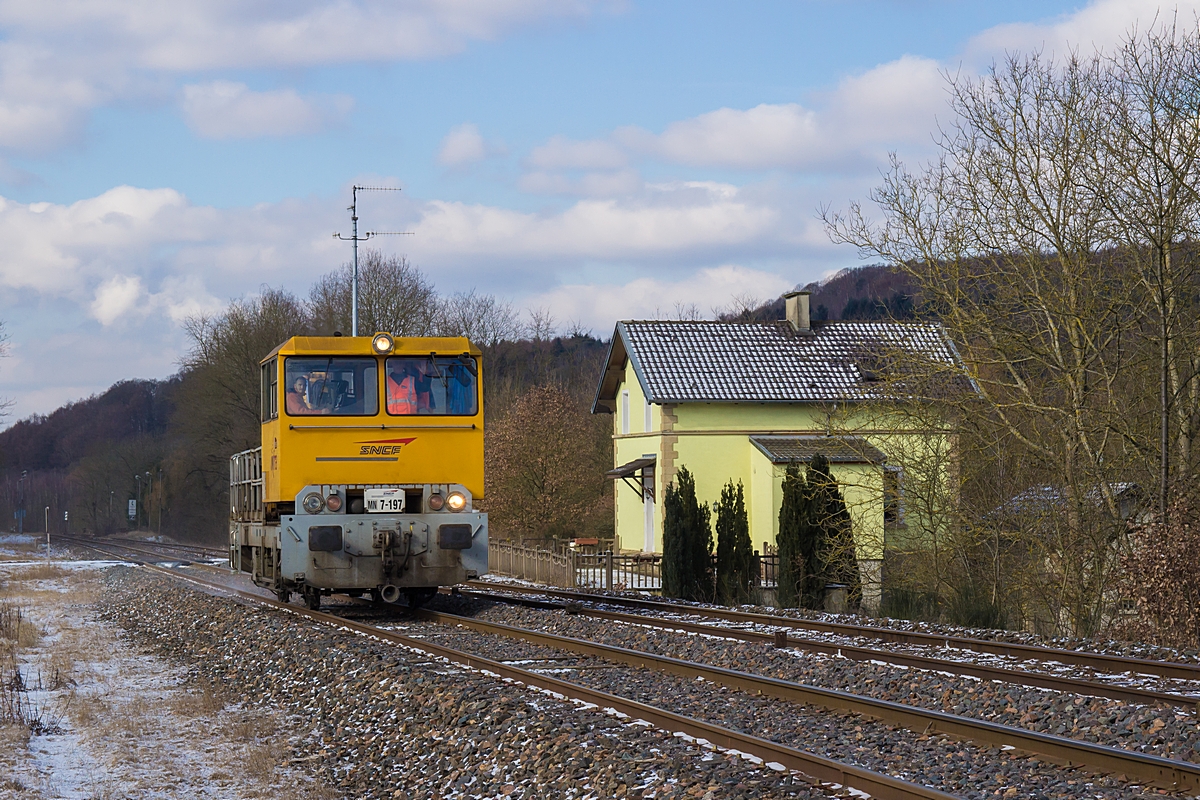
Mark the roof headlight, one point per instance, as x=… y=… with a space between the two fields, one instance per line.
x=313 y=503
x=456 y=501
x=436 y=501
x=382 y=343
x=333 y=503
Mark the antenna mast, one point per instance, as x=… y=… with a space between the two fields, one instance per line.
x=355 y=238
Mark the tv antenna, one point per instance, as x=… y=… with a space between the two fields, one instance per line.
x=354 y=237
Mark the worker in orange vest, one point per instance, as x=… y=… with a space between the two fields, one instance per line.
x=402 y=391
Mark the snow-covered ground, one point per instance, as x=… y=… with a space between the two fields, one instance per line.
x=99 y=719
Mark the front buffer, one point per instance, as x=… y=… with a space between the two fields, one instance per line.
x=384 y=554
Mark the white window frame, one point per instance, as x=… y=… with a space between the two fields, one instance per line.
x=625 y=411
x=648 y=423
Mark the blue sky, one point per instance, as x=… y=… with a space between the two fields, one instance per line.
x=599 y=158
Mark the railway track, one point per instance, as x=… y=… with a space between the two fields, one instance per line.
x=1098 y=661
x=1016 y=676
x=214 y=552
x=820 y=768
x=1168 y=773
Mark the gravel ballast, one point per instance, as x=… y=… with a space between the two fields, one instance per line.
x=383 y=721
x=1171 y=732
x=961 y=768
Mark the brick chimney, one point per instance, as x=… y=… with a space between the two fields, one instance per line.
x=795 y=305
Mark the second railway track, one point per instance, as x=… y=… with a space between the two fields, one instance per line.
x=1099 y=661
x=983 y=671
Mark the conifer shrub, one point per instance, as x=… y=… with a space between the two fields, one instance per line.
x=687 y=542
x=815 y=540
x=735 y=554
x=793 y=517
x=835 y=539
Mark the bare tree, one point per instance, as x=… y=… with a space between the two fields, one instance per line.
x=393 y=296
x=1012 y=247
x=223 y=366
x=546 y=459
x=481 y=318
x=1152 y=142
x=541 y=325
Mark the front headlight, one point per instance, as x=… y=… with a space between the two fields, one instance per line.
x=333 y=503
x=382 y=343
x=313 y=503
x=456 y=501
x=436 y=501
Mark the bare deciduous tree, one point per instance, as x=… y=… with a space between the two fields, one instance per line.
x=546 y=459
x=481 y=318
x=1148 y=126
x=393 y=296
x=1012 y=247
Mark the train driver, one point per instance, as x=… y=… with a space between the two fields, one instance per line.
x=297 y=397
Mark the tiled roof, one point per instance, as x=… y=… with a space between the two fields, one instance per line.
x=692 y=361
x=802 y=449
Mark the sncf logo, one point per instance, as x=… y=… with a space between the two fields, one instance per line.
x=382 y=447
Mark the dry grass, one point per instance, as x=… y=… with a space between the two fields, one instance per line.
x=17 y=627
x=117 y=701
x=39 y=572
x=203 y=703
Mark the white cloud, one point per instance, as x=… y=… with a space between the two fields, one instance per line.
x=115 y=297
x=462 y=145
x=228 y=110
x=852 y=126
x=211 y=34
x=1100 y=24
x=559 y=152
x=60 y=59
x=856 y=123
x=592 y=184
x=599 y=305
x=671 y=219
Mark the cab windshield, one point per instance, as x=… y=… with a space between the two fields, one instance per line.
x=436 y=385
x=329 y=385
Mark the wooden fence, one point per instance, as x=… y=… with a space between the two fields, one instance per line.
x=608 y=570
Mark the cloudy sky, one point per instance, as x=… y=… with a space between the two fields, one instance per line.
x=604 y=159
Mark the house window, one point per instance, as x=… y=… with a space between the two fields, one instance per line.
x=625 y=412
x=649 y=420
x=893 y=496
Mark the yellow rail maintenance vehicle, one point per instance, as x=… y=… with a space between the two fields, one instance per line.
x=371 y=461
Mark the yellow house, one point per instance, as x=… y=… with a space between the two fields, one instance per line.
x=742 y=401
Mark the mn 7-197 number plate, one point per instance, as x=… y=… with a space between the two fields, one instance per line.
x=384 y=501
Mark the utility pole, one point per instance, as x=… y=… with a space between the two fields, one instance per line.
x=355 y=238
x=160 y=500
x=21 y=501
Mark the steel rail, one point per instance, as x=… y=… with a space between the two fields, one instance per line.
x=120 y=546
x=1016 y=676
x=194 y=548
x=1167 y=773
x=823 y=770
x=1101 y=661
